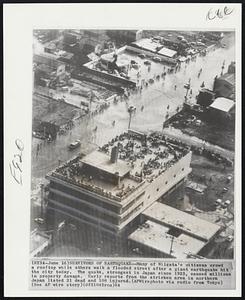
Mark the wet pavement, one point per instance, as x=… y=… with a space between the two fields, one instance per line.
x=157 y=99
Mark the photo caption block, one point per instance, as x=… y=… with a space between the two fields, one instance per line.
x=127 y=274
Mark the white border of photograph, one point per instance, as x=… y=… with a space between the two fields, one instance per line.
x=19 y=22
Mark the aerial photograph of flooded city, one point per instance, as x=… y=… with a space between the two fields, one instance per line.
x=133 y=142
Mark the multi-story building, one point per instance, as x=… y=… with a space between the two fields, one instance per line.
x=111 y=186
x=224 y=86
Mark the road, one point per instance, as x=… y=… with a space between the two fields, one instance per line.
x=194 y=141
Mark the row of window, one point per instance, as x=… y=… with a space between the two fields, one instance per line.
x=132 y=212
x=79 y=206
x=76 y=215
x=166 y=182
x=84 y=197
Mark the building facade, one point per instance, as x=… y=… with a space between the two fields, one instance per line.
x=110 y=192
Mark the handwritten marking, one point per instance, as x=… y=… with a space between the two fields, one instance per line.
x=220 y=13
x=16 y=163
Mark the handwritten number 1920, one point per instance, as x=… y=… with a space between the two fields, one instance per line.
x=16 y=163
x=220 y=13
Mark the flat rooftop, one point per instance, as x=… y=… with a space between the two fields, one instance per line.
x=157 y=237
x=167 y=52
x=189 y=224
x=122 y=59
x=101 y=161
x=60 y=114
x=222 y=104
x=148 y=44
x=37 y=240
x=138 y=161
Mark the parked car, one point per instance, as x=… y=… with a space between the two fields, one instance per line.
x=226 y=203
x=38 y=135
x=74 y=145
x=230 y=238
x=218 y=202
x=147 y=62
x=142 y=55
x=156 y=59
x=39 y=221
x=131 y=108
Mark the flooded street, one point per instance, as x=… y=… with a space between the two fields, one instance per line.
x=157 y=99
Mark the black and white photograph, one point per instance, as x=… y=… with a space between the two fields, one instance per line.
x=122 y=142
x=133 y=143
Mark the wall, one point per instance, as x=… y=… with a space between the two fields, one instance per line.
x=138 y=201
x=157 y=188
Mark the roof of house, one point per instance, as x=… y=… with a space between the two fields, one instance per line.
x=229 y=77
x=222 y=104
x=167 y=52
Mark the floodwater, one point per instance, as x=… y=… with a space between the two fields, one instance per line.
x=157 y=100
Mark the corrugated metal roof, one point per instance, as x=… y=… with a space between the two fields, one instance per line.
x=148 y=44
x=229 y=77
x=167 y=52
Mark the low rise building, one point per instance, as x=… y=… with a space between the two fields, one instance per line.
x=168 y=53
x=39 y=243
x=224 y=86
x=127 y=36
x=221 y=108
x=232 y=68
x=153 y=48
x=169 y=232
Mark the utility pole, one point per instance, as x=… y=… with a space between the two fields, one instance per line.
x=171 y=246
x=222 y=68
x=42 y=200
x=131 y=110
x=187 y=86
